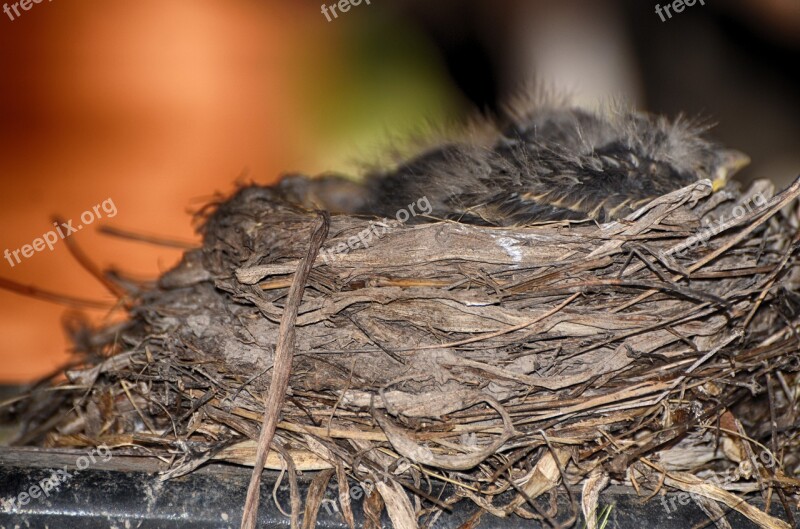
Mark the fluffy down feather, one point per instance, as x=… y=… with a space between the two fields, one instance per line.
x=553 y=163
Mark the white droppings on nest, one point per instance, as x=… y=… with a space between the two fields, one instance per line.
x=509 y=244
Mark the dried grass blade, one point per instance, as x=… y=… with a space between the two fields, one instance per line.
x=316 y=493
x=284 y=352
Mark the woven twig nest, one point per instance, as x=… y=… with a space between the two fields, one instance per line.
x=502 y=360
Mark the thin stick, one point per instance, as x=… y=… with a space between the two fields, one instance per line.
x=776 y=204
x=53 y=297
x=142 y=416
x=284 y=352
x=501 y=332
x=89 y=265
x=155 y=240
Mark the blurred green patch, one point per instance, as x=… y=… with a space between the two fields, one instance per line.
x=382 y=85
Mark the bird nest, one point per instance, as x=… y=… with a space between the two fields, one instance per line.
x=659 y=351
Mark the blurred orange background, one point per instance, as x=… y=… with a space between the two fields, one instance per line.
x=152 y=104
x=157 y=105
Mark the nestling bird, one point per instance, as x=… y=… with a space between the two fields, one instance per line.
x=556 y=163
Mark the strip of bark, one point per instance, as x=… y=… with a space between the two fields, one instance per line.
x=284 y=353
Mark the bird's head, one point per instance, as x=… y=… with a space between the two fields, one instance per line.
x=719 y=165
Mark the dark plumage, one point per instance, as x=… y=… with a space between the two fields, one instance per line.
x=557 y=163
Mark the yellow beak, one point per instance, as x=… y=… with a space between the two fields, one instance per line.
x=731 y=163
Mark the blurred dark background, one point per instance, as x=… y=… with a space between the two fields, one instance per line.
x=158 y=105
x=734 y=63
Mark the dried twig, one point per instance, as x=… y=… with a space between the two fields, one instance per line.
x=282 y=369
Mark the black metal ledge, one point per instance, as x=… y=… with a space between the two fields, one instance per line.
x=125 y=492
